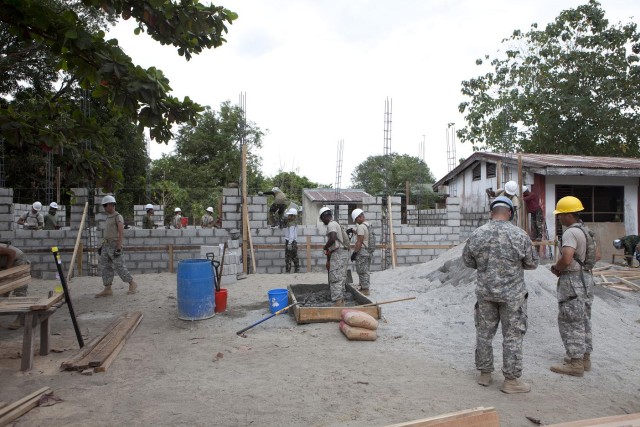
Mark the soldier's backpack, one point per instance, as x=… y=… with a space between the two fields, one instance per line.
x=590 y=254
x=371 y=243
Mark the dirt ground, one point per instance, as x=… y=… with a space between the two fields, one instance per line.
x=175 y=372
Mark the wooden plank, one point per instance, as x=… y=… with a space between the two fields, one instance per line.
x=46 y=303
x=28 y=341
x=627 y=420
x=308 y=254
x=102 y=352
x=75 y=360
x=4 y=411
x=15 y=284
x=17 y=271
x=109 y=360
x=476 y=417
x=629 y=283
x=171 y=259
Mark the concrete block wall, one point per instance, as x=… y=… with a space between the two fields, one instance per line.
x=7 y=219
x=472 y=218
x=20 y=208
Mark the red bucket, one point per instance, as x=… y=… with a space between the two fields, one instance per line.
x=184 y=221
x=221 y=300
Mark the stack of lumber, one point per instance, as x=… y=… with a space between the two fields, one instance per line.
x=14 y=277
x=29 y=303
x=100 y=353
x=622 y=280
x=20 y=407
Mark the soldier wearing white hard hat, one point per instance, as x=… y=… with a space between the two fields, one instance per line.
x=510 y=190
x=278 y=207
x=51 y=218
x=147 y=219
x=207 y=220
x=33 y=219
x=291 y=241
x=337 y=251
x=177 y=218
x=363 y=250
x=111 y=259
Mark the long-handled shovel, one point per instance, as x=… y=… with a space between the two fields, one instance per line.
x=240 y=332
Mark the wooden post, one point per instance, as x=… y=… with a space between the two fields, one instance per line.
x=308 y=254
x=393 y=245
x=75 y=249
x=58 y=185
x=498 y=174
x=248 y=232
x=79 y=262
x=406 y=192
x=244 y=210
x=171 y=259
x=521 y=214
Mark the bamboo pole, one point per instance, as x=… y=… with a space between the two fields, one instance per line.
x=253 y=256
x=521 y=214
x=170 y=259
x=308 y=254
x=244 y=209
x=75 y=248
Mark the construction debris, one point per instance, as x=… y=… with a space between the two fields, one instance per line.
x=100 y=353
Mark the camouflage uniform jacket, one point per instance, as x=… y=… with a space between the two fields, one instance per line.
x=629 y=243
x=500 y=252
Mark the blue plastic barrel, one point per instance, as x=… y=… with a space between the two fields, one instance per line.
x=278 y=299
x=196 y=289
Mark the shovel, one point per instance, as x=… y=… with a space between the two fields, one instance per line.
x=240 y=332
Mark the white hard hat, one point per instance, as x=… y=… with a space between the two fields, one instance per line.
x=292 y=211
x=53 y=205
x=524 y=189
x=324 y=210
x=274 y=189
x=148 y=206
x=177 y=210
x=209 y=209
x=108 y=199
x=617 y=244
x=356 y=213
x=37 y=206
x=510 y=188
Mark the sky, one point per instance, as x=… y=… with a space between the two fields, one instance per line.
x=317 y=72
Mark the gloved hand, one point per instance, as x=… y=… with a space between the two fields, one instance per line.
x=350 y=232
x=260 y=193
x=117 y=253
x=353 y=256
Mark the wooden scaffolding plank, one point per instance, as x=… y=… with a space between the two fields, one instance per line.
x=476 y=417
x=4 y=411
x=102 y=352
x=17 y=271
x=109 y=360
x=74 y=363
x=629 y=283
x=14 y=284
x=46 y=303
x=627 y=420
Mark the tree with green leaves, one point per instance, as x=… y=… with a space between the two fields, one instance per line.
x=54 y=47
x=384 y=175
x=208 y=157
x=570 y=88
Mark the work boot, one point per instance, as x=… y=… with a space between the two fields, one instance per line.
x=132 y=287
x=364 y=291
x=106 y=292
x=574 y=367
x=485 y=379
x=586 y=361
x=339 y=302
x=514 y=385
x=16 y=324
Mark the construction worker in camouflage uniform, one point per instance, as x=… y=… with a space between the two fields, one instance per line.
x=147 y=219
x=500 y=252
x=50 y=218
x=278 y=207
x=10 y=256
x=207 y=219
x=337 y=251
x=111 y=250
x=628 y=243
x=361 y=251
x=176 y=222
x=291 y=242
x=32 y=220
x=575 y=288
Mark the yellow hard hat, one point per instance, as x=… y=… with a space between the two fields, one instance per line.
x=568 y=204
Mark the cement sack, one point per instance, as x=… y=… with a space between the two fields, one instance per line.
x=357 y=334
x=359 y=319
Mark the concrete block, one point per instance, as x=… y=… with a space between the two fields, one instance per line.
x=230 y=191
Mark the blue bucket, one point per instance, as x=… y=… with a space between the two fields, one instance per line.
x=278 y=299
x=196 y=289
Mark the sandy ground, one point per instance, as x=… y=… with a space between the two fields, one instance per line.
x=283 y=374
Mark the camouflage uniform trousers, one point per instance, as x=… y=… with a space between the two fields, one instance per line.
x=363 y=268
x=291 y=256
x=536 y=222
x=575 y=299
x=338 y=273
x=110 y=263
x=513 y=317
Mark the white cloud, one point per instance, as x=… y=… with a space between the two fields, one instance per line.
x=316 y=72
